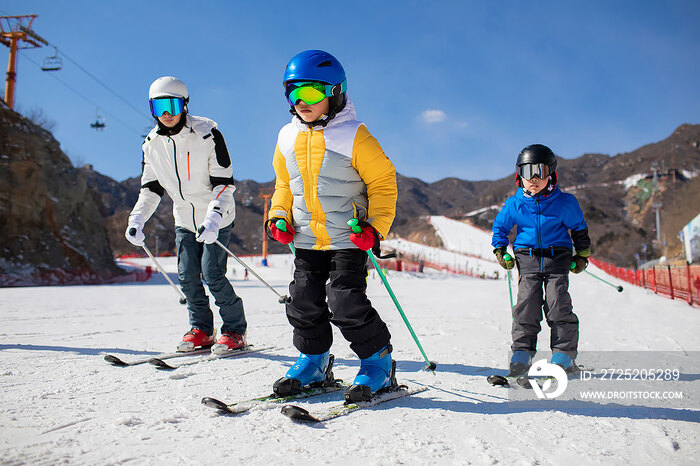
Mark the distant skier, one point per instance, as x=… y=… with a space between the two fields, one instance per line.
x=544 y=216
x=186 y=156
x=330 y=170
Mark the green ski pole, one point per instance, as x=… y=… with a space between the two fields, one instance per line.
x=507 y=257
x=617 y=287
x=282 y=225
x=353 y=224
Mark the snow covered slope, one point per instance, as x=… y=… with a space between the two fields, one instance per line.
x=462 y=237
x=61 y=403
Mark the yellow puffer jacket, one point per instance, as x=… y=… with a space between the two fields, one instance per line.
x=327 y=176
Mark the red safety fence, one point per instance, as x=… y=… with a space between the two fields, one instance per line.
x=673 y=281
x=403 y=265
x=60 y=277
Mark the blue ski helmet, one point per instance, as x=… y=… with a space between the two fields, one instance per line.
x=314 y=65
x=317 y=65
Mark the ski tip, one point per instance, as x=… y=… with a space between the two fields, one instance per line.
x=214 y=403
x=160 y=364
x=525 y=382
x=298 y=413
x=497 y=380
x=115 y=361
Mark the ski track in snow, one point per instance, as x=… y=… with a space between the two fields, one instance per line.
x=61 y=403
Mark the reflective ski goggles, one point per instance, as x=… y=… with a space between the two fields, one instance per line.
x=531 y=170
x=172 y=105
x=312 y=92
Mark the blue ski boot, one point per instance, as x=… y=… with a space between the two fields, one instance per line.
x=310 y=369
x=377 y=373
x=520 y=363
x=564 y=361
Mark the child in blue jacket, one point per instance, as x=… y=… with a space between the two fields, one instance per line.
x=549 y=224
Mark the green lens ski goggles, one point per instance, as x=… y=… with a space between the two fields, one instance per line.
x=312 y=92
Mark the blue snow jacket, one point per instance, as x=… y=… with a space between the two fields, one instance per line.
x=543 y=221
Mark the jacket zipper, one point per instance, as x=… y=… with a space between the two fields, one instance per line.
x=177 y=171
x=179 y=181
x=188 y=166
x=308 y=168
x=539 y=233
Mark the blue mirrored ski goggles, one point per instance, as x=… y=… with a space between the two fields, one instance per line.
x=172 y=105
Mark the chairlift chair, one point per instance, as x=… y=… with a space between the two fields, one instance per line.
x=53 y=63
x=99 y=123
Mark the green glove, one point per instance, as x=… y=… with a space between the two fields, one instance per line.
x=503 y=258
x=580 y=261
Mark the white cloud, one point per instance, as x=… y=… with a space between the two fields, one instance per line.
x=433 y=116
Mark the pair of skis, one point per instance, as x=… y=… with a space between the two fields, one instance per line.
x=329 y=385
x=159 y=361
x=298 y=413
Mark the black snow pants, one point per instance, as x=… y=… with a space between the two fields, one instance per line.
x=543 y=286
x=330 y=287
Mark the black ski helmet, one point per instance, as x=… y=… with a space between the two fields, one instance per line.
x=537 y=153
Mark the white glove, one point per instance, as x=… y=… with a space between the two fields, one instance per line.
x=134 y=232
x=208 y=231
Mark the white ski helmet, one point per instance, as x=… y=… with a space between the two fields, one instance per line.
x=168 y=86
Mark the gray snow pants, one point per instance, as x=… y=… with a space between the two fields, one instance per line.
x=543 y=287
x=197 y=261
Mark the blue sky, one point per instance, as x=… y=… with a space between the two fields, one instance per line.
x=449 y=88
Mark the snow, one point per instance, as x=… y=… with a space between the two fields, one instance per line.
x=454 y=261
x=62 y=403
x=631 y=181
x=462 y=237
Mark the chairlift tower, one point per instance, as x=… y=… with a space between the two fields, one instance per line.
x=16 y=33
x=655 y=202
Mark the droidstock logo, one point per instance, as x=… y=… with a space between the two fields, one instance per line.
x=542 y=369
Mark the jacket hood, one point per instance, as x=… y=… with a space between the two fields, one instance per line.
x=200 y=125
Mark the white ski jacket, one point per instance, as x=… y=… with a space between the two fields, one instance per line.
x=194 y=167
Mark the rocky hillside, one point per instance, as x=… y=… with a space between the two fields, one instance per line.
x=51 y=228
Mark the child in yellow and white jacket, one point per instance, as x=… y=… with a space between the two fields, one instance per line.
x=331 y=170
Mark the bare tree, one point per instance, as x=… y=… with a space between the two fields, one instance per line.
x=39 y=118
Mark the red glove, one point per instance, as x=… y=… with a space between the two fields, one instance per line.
x=367 y=238
x=284 y=237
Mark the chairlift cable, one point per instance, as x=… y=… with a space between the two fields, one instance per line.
x=83 y=97
x=140 y=112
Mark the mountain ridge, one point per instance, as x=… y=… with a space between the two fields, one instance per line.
x=621 y=219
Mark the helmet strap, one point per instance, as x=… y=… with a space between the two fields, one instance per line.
x=551 y=184
x=336 y=105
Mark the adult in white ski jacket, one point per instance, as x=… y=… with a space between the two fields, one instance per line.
x=194 y=167
x=186 y=156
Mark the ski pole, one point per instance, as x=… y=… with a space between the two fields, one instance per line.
x=617 y=287
x=183 y=300
x=507 y=257
x=353 y=223
x=282 y=299
x=282 y=225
